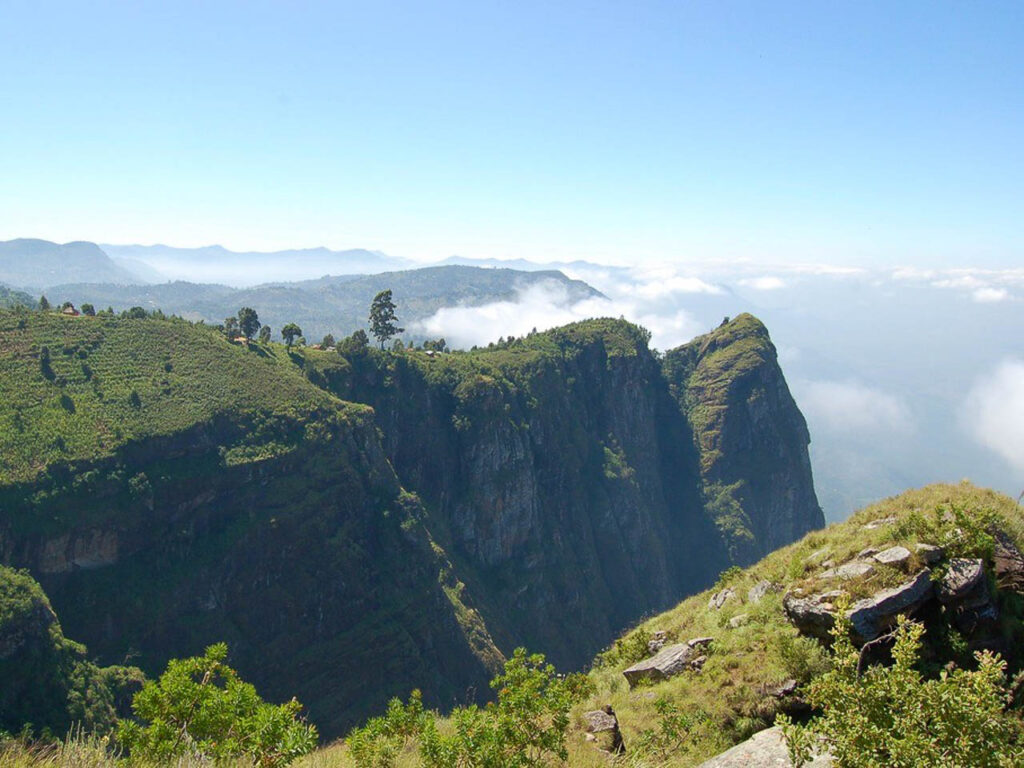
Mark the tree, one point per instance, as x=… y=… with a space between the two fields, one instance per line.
x=265 y=334
x=135 y=313
x=289 y=333
x=383 y=321
x=248 y=322
x=328 y=341
x=88 y=309
x=438 y=345
x=200 y=707
x=231 y=329
x=44 y=305
x=354 y=345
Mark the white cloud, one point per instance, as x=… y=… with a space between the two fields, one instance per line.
x=547 y=305
x=990 y=295
x=994 y=411
x=764 y=283
x=846 y=406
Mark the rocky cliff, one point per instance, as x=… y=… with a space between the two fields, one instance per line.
x=171 y=490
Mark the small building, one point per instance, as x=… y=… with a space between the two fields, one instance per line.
x=70 y=311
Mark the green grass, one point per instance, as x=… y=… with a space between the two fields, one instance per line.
x=112 y=381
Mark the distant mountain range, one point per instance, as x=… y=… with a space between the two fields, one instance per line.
x=38 y=264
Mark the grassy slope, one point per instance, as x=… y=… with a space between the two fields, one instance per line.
x=767 y=650
x=82 y=405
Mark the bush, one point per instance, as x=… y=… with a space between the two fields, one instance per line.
x=892 y=716
x=200 y=707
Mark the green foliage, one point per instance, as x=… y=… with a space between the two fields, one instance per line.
x=380 y=742
x=289 y=333
x=675 y=730
x=200 y=706
x=265 y=334
x=627 y=650
x=525 y=727
x=383 y=321
x=88 y=310
x=44 y=304
x=893 y=716
x=248 y=322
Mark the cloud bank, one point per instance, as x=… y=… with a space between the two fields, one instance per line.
x=994 y=412
x=852 y=407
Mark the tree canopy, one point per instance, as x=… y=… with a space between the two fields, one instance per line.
x=383 y=320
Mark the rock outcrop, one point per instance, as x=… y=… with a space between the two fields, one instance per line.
x=670 y=661
x=765 y=749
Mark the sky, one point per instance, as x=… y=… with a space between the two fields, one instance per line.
x=841 y=132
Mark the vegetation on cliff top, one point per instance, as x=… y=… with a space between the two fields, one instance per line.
x=75 y=388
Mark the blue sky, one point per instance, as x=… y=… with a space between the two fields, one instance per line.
x=860 y=133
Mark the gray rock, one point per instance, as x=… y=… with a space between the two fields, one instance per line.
x=817 y=554
x=759 y=590
x=657 y=642
x=739 y=620
x=1008 y=563
x=867 y=552
x=964 y=591
x=872 y=616
x=599 y=721
x=668 y=662
x=813 y=615
x=765 y=749
x=897 y=556
x=721 y=598
x=962 y=576
x=930 y=553
x=847 y=571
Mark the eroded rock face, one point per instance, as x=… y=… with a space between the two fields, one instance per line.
x=812 y=615
x=1008 y=563
x=964 y=591
x=669 y=662
x=874 y=615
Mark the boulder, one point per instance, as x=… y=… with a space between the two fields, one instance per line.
x=759 y=590
x=930 y=553
x=867 y=552
x=721 y=598
x=1008 y=563
x=846 y=571
x=962 y=577
x=813 y=615
x=765 y=749
x=964 y=591
x=739 y=620
x=872 y=616
x=605 y=721
x=897 y=556
x=668 y=662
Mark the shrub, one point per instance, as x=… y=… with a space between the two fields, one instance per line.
x=200 y=706
x=892 y=716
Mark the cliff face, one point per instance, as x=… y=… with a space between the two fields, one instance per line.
x=751 y=437
x=547 y=492
x=578 y=488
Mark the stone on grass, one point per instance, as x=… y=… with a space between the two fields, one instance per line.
x=847 y=571
x=897 y=556
x=668 y=662
x=812 y=615
x=930 y=553
x=739 y=620
x=721 y=598
x=882 y=521
x=759 y=590
x=765 y=749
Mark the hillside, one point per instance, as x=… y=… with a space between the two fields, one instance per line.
x=357 y=525
x=758 y=661
x=337 y=305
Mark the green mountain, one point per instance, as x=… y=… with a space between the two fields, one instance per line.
x=355 y=526
x=9 y=298
x=337 y=305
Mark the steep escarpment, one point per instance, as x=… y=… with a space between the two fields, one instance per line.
x=568 y=479
x=751 y=437
x=256 y=510
x=357 y=525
